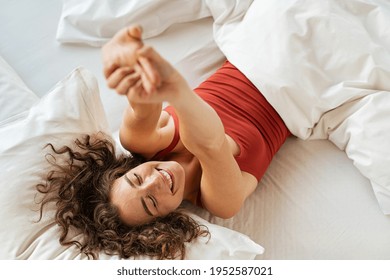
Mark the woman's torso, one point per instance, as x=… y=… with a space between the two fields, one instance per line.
x=191 y=165
x=253 y=128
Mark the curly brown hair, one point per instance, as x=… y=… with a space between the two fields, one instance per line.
x=79 y=184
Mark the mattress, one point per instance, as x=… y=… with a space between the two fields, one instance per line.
x=312 y=204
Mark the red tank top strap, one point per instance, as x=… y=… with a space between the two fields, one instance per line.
x=161 y=154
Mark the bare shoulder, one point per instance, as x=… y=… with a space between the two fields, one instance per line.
x=151 y=141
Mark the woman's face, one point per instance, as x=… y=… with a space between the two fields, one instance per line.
x=150 y=190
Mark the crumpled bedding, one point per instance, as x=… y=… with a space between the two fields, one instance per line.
x=311 y=204
x=325 y=67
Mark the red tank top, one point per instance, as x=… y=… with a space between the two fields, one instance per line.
x=246 y=115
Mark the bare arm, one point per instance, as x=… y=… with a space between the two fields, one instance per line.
x=224 y=187
x=142 y=129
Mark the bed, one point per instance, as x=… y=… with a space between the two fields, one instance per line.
x=324 y=195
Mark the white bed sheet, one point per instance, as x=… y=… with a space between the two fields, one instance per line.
x=311 y=204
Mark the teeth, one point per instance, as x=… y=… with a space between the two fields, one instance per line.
x=168 y=177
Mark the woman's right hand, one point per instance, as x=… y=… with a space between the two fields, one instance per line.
x=137 y=70
x=120 y=51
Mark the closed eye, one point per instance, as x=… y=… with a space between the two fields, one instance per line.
x=153 y=200
x=139 y=179
x=133 y=184
x=146 y=207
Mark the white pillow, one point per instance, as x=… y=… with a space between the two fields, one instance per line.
x=94 y=22
x=70 y=109
x=15 y=96
x=224 y=244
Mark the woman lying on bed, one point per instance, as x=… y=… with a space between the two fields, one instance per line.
x=210 y=146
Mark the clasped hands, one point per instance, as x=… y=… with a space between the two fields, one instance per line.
x=136 y=70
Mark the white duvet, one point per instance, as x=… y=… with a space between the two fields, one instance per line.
x=323 y=65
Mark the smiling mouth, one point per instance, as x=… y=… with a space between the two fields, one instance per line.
x=168 y=176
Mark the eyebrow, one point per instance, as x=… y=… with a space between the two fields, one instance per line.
x=142 y=199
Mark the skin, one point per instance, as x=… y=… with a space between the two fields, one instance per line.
x=145 y=193
x=204 y=161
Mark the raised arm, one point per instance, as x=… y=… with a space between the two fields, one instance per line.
x=224 y=187
x=144 y=126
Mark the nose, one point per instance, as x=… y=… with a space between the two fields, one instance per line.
x=153 y=183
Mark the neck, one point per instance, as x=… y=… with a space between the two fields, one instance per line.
x=193 y=173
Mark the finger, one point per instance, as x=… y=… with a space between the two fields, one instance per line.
x=148 y=86
x=163 y=67
x=134 y=31
x=150 y=71
x=136 y=92
x=118 y=75
x=149 y=52
x=108 y=70
x=127 y=83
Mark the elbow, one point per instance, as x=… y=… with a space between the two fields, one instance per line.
x=224 y=208
x=212 y=149
x=226 y=214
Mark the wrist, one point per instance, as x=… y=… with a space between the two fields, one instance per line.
x=181 y=93
x=141 y=111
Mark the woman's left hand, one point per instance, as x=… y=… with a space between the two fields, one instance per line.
x=154 y=80
x=122 y=65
